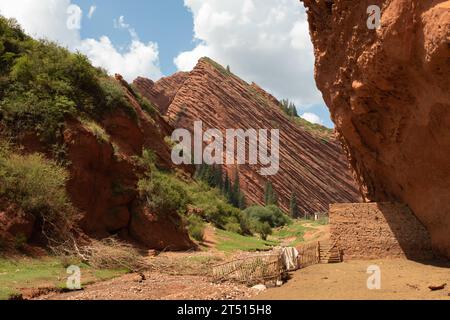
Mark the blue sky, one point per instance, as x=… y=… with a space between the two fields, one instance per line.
x=168 y=23
x=263 y=41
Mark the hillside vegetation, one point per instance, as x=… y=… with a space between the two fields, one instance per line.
x=42 y=84
x=42 y=87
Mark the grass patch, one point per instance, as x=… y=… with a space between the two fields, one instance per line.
x=321 y=132
x=224 y=71
x=229 y=242
x=26 y=273
x=296 y=230
x=322 y=222
x=96 y=130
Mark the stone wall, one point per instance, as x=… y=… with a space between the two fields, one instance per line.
x=378 y=230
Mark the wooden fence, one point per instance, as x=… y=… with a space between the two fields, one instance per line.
x=308 y=255
x=250 y=270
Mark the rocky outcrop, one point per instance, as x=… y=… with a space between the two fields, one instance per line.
x=162 y=92
x=313 y=168
x=163 y=232
x=388 y=91
x=104 y=176
x=15 y=225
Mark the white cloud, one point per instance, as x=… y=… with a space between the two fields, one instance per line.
x=264 y=41
x=92 y=10
x=312 y=117
x=140 y=59
x=43 y=19
x=120 y=23
x=49 y=19
x=185 y=61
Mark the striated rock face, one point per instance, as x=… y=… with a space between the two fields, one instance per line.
x=162 y=92
x=315 y=169
x=389 y=94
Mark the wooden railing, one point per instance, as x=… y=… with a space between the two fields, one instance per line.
x=308 y=254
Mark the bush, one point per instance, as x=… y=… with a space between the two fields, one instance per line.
x=233 y=227
x=145 y=104
x=164 y=193
x=38 y=186
x=271 y=214
x=167 y=193
x=263 y=229
x=96 y=130
x=196 y=227
x=42 y=83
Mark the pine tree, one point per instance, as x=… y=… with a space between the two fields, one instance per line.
x=242 y=201
x=270 y=196
x=227 y=187
x=295 y=112
x=200 y=172
x=235 y=190
x=293 y=207
x=218 y=177
x=289 y=108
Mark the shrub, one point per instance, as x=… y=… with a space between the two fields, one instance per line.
x=271 y=214
x=233 y=227
x=96 y=130
x=42 y=83
x=164 y=193
x=196 y=227
x=167 y=193
x=38 y=186
x=145 y=104
x=263 y=229
x=113 y=93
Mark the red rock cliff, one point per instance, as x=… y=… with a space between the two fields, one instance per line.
x=315 y=169
x=389 y=94
x=104 y=176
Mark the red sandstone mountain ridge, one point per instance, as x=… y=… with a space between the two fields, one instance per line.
x=313 y=168
x=388 y=91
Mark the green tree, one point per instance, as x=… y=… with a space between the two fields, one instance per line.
x=270 y=196
x=289 y=108
x=227 y=187
x=237 y=197
x=293 y=206
x=263 y=229
x=218 y=177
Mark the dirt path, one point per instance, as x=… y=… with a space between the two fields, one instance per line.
x=316 y=232
x=175 y=276
x=157 y=286
x=400 y=279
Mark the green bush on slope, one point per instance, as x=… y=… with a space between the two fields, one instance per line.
x=166 y=194
x=37 y=185
x=42 y=84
